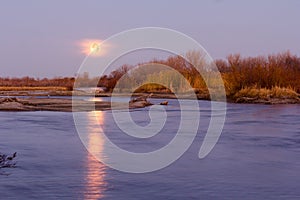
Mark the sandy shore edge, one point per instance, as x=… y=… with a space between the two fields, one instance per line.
x=63 y=105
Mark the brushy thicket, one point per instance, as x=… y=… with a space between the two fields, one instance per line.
x=145 y=74
x=274 y=71
x=276 y=75
x=27 y=82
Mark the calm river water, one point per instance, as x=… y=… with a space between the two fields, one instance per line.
x=257 y=157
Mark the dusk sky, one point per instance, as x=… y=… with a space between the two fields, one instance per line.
x=40 y=38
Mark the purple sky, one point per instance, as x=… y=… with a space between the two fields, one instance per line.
x=39 y=38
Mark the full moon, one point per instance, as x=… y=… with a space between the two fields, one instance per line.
x=94 y=47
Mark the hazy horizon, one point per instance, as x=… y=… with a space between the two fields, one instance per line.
x=40 y=39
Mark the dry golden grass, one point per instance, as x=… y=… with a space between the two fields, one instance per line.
x=278 y=92
x=4 y=88
x=263 y=93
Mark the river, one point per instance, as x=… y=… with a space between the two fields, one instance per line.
x=256 y=157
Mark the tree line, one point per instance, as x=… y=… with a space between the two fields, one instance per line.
x=26 y=81
x=277 y=70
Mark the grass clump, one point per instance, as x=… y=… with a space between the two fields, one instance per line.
x=264 y=93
